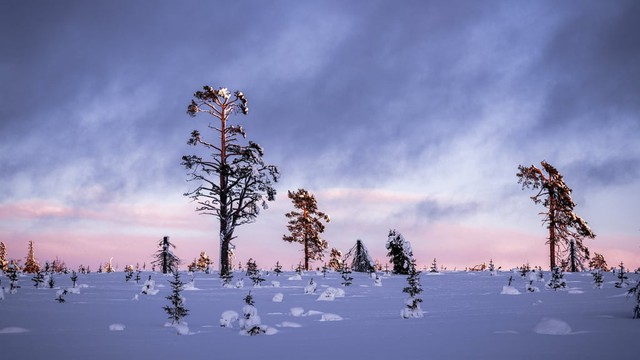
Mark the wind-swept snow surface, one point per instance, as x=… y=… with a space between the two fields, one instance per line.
x=465 y=317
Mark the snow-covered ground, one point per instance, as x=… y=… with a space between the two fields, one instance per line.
x=466 y=317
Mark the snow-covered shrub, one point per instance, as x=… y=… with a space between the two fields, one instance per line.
x=557 y=279
x=531 y=288
x=414 y=288
x=377 y=281
x=492 y=268
x=330 y=294
x=250 y=323
x=60 y=296
x=228 y=318
x=311 y=287
x=509 y=289
x=149 y=287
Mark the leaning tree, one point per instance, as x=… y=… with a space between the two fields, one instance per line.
x=233 y=180
x=361 y=261
x=305 y=226
x=566 y=229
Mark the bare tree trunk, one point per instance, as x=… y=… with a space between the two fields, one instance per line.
x=552 y=231
x=224 y=225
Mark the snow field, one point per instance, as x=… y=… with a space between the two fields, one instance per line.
x=465 y=316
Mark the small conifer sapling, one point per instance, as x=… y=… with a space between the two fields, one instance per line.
x=176 y=310
x=622 y=277
x=413 y=289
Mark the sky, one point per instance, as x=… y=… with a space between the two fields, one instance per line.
x=410 y=115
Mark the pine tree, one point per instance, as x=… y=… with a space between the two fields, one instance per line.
x=598 y=262
x=335 y=259
x=434 y=266
x=413 y=289
x=234 y=182
x=622 y=277
x=12 y=274
x=563 y=224
x=400 y=252
x=597 y=278
x=4 y=264
x=361 y=262
x=305 y=226
x=176 y=311
x=31 y=266
x=204 y=262
x=253 y=273
x=277 y=269
x=345 y=272
x=165 y=258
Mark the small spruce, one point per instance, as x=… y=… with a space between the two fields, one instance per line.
x=622 y=277
x=176 y=311
x=598 y=279
x=277 y=269
x=413 y=289
x=346 y=276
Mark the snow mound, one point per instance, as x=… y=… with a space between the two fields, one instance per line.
x=295 y=277
x=575 y=291
x=116 y=327
x=182 y=328
x=313 y=312
x=509 y=290
x=12 y=330
x=330 y=293
x=297 y=311
x=289 y=324
x=73 y=290
x=551 y=326
x=275 y=283
x=240 y=284
x=330 y=317
x=228 y=318
x=190 y=286
x=278 y=297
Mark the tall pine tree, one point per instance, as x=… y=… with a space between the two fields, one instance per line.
x=305 y=225
x=234 y=181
